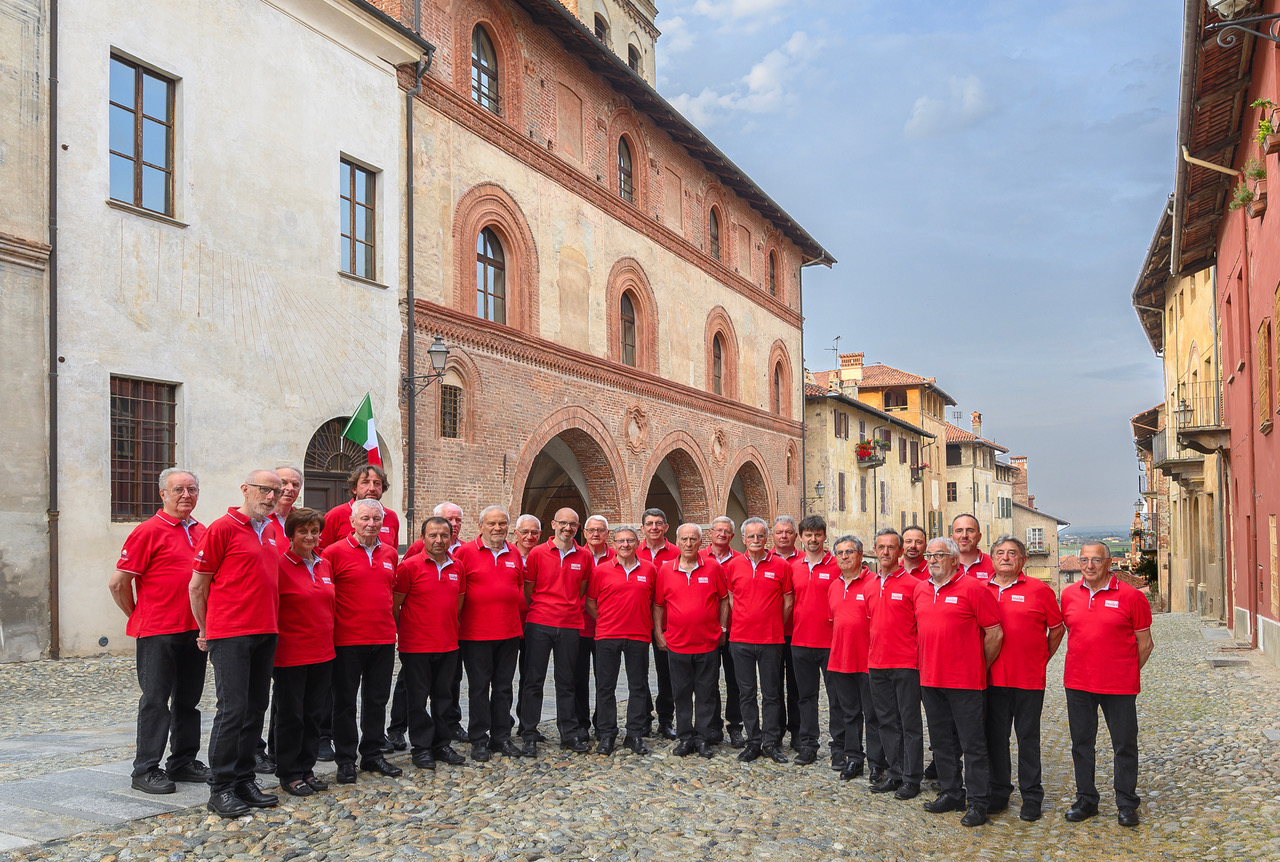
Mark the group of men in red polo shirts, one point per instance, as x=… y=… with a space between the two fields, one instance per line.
x=936 y=623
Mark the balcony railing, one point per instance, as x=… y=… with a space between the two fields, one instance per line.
x=1195 y=404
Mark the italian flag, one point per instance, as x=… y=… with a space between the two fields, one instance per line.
x=361 y=431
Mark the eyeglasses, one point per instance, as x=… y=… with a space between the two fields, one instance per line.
x=266 y=490
x=183 y=492
x=847 y=553
x=573 y=524
x=937 y=556
x=1097 y=561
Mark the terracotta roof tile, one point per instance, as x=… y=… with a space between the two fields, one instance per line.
x=879 y=375
x=959 y=435
x=1069 y=563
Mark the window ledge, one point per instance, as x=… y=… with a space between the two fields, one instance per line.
x=145 y=213
x=359 y=279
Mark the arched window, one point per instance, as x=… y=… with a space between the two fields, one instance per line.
x=491 y=278
x=717 y=365
x=777 y=389
x=633 y=58
x=628 y=329
x=773 y=274
x=450 y=410
x=602 y=29
x=714 y=229
x=626 y=185
x=484 y=71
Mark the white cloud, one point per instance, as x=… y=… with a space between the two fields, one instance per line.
x=676 y=36
x=965 y=105
x=735 y=10
x=761 y=90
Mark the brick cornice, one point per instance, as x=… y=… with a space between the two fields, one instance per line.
x=470 y=331
x=23 y=252
x=457 y=107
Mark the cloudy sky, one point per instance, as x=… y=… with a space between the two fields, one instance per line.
x=988 y=174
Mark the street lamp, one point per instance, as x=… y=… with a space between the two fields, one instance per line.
x=818 y=490
x=438 y=353
x=1226 y=28
x=1183 y=413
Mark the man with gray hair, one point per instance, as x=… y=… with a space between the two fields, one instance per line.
x=596 y=530
x=150 y=586
x=785 y=533
x=656 y=549
x=718 y=551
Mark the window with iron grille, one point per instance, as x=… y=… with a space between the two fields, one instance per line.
x=484 y=71
x=358 y=201
x=140 y=137
x=602 y=29
x=626 y=187
x=951 y=492
x=633 y=58
x=450 y=411
x=143 y=442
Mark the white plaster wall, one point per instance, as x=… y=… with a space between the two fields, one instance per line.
x=244 y=306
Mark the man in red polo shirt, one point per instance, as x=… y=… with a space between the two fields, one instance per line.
x=596 y=532
x=719 y=536
x=893 y=667
x=620 y=599
x=1032 y=624
x=428 y=595
x=489 y=633
x=960 y=636
x=811 y=578
x=785 y=534
x=690 y=618
x=291 y=479
x=1110 y=641
x=848 y=681
x=760 y=602
x=368 y=482
x=914 y=540
x=156 y=562
x=657 y=550
x=966 y=533
x=235 y=598
x=364 y=640
x=555 y=582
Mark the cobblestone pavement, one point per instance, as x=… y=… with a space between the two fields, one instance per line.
x=1210 y=779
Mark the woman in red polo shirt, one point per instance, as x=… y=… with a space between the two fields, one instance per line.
x=304 y=653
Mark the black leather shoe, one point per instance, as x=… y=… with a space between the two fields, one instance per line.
x=975 y=816
x=538 y=736
x=887 y=785
x=153 y=780
x=806 y=756
x=851 y=770
x=774 y=753
x=396 y=741
x=607 y=745
x=908 y=790
x=346 y=773
x=226 y=803
x=704 y=749
x=263 y=765
x=995 y=806
x=684 y=748
x=457 y=734
x=315 y=783
x=325 y=753
x=750 y=751
x=931 y=771
x=666 y=731
x=736 y=738
x=446 y=754
x=945 y=802
x=424 y=760
x=578 y=745
x=1082 y=810
x=636 y=745
x=251 y=794
x=1030 y=812
x=298 y=787
x=838 y=761
x=876 y=775
x=1128 y=817
x=510 y=749
x=480 y=751
x=380 y=765
x=194 y=772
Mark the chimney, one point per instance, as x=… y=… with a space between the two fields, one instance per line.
x=977 y=423
x=1031 y=502
x=851 y=369
x=1020 y=496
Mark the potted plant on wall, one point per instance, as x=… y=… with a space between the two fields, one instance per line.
x=1254 y=170
x=1241 y=196
x=1268 y=135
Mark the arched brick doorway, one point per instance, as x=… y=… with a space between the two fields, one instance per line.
x=747 y=496
x=677 y=484
x=329 y=461
x=571 y=469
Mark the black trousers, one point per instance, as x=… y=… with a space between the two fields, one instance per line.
x=896 y=694
x=664 y=703
x=582 y=682
x=364 y=669
x=732 y=697
x=242 y=678
x=695 y=692
x=171 y=672
x=540 y=642
x=957 y=726
x=398 y=720
x=767 y=660
x=1121 y=714
x=1016 y=709
x=428 y=675
x=609 y=655
x=490 y=668
x=298 y=704
x=808 y=667
x=791 y=719
x=852 y=709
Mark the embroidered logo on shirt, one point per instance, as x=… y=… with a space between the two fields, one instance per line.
x=704 y=580
x=325 y=581
x=824 y=576
x=1017 y=598
x=575 y=566
x=386 y=565
x=1112 y=603
x=897 y=597
x=642 y=579
x=124 y=553
x=453 y=577
x=951 y=600
x=511 y=565
x=771 y=576
x=272 y=541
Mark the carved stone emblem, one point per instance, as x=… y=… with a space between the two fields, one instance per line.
x=719 y=447
x=637 y=429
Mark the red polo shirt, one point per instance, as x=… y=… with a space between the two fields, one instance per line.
x=557 y=585
x=1028 y=609
x=665 y=554
x=891 y=606
x=949 y=624
x=920 y=574
x=851 y=627
x=708 y=554
x=494 y=584
x=337 y=526
x=624 y=600
x=307 y=605
x=692 y=603
x=788 y=626
x=1102 y=642
x=981 y=568
x=429 y=613
x=244 y=596
x=276 y=523
x=812 y=612
x=757 y=591
x=363 y=584
x=588 y=629
x=159 y=553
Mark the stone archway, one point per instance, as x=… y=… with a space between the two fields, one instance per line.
x=747 y=493
x=677 y=482
x=570 y=461
x=329 y=461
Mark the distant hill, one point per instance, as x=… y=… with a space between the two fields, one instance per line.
x=1074 y=534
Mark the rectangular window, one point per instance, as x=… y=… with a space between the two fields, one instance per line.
x=1035 y=540
x=841 y=501
x=140 y=137
x=904 y=522
x=143 y=442
x=1264 y=375
x=951 y=492
x=358 y=203
x=862 y=429
x=450 y=410
x=884 y=499
x=902 y=450
x=915 y=453
x=862 y=492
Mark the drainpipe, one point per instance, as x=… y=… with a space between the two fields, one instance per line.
x=55 y=626
x=1251 y=556
x=804 y=426
x=411 y=486
x=1219 y=513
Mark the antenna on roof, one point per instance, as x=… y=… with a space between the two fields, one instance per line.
x=835 y=348
x=957 y=415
